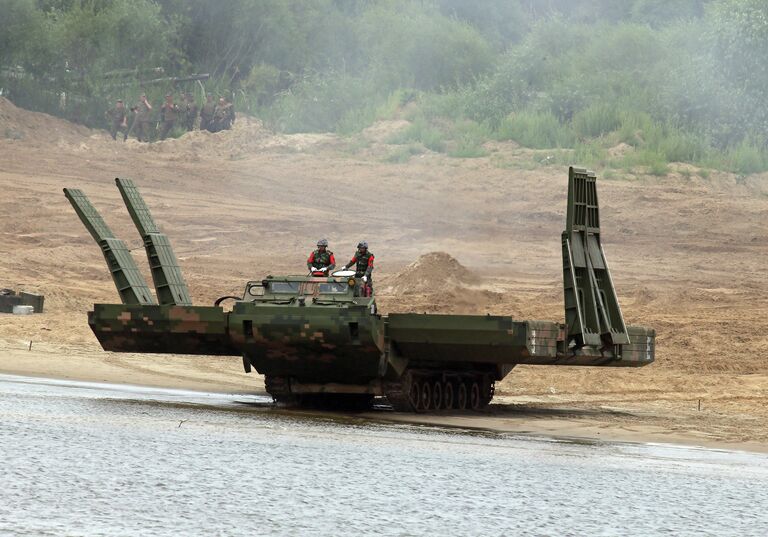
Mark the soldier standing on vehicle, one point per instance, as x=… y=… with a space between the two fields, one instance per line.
x=321 y=262
x=206 y=113
x=118 y=120
x=169 y=112
x=142 y=119
x=190 y=112
x=362 y=260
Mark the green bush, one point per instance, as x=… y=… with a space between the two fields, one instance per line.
x=469 y=137
x=420 y=131
x=652 y=159
x=403 y=154
x=674 y=80
x=412 y=45
x=539 y=130
x=633 y=126
x=590 y=154
x=323 y=103
x=746 y=157
x=596 y=120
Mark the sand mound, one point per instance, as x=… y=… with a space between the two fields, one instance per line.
x=437 y=283
x=382 y=131
x=620 y=150
x=430 y=273
x=19 y=124
x=248 y=135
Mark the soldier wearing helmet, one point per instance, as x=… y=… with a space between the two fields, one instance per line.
x=321 y=262
x=362 y=261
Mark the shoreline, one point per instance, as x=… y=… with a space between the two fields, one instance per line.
x=570 y=420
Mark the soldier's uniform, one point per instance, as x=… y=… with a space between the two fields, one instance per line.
x=363 y=264
x=118 y=121
x=206 y=115
x=321 y=259
x=223 y=117
x=169 y=113
x=142 y=121
x=190 y=113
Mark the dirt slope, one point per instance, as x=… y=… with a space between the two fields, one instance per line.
x=688 y=252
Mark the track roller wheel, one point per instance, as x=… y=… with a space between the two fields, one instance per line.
x=448 y=400
x=461 y=396
x=475 y=402
x=414 y=395
x=437 y=395
x=426 y=395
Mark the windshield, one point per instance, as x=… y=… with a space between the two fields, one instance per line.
x=284 y=287
x=334 y=288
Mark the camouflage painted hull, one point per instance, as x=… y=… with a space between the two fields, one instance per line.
x=317 y=345
x=349 y=345
x=162 y=329
x=499 y=340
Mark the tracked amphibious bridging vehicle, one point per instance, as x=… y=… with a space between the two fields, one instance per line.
x=319 y=340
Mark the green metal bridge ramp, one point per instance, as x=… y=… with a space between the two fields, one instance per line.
x=170 y=286
x=592 y=312
x=131 y=286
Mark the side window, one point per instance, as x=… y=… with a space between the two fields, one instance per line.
x=255 y=290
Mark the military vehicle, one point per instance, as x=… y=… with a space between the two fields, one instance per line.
x=319 y=340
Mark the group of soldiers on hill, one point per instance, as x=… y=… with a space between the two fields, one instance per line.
x=138 y=119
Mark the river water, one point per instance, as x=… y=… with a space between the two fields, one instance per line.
x=96 y=459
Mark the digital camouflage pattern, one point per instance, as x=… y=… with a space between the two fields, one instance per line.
x=318 y=338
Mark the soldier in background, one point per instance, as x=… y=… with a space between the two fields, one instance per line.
x=169 y=113
x=142 y=123
x=118 y=120
x=230 y=119
x=206 y=113
x=223 y=116
x=190 y=112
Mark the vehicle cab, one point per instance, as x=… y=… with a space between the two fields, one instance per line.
x=307 y=291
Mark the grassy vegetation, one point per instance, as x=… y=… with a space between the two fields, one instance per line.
x=613 y=85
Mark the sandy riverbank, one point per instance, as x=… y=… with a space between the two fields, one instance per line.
x=687 y=253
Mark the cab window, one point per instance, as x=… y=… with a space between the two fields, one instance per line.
x=284 y=287
x=333 y=288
